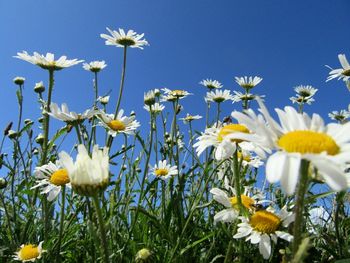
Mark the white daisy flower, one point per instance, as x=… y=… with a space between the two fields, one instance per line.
x=211 y=84
x=121 y=39
x=51 y=177
x=239 y=96
x=48 y=62
x=305 y=91
x=94 y=66
x=172 y=95
x=218 y=96
x=302 y=100
x=340 y=73
x=65 y=115
x=298 y=137
x=155 y=108
x=218 y=136
x=120 y=124
x=164 y=170
x=29 y=252
x=264 y=226
x=190 y=118
x=340 y=116
x=231 y=212
x=88 y=175
x=149 y=97
x=248 y=82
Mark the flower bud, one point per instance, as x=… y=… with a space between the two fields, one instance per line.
x=3 y=183
x=12 y=134
x=39 y=87
x=39 y=139
x=19 y=80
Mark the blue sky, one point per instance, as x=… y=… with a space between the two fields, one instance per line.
x=287 y=43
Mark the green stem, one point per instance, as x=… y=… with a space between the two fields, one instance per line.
x=20 y=103
x=47 y=117
x=299 y=205
x=218 y=115
x=102 y=228
x=63 y=196
x=121 y=87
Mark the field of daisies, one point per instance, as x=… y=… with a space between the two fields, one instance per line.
x=247 y=187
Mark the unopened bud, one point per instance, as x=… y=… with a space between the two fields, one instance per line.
x=8 y=128
x=19 y=80
x=39 y=139
x=39 y=87
x=12 y=134
x=3 y=183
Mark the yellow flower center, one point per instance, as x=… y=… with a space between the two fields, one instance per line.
x=161 y=172
x=245 y=157
x=178 y=93
x=265 y=222
x=116 y=125
x=29 y=252
x=346 y=72
x=247 y=202
x=232 y=128
x=308 y=142
x=60 y=177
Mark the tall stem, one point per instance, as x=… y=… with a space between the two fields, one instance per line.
x=47 y=117
x=121 y=87
x=102 y=229
x=299 y=205
x=58 y=256
x=20 y=103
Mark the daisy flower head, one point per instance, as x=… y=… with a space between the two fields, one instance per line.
x=173 y=95
x=305 y=91
x=340 y=116
x=190 y=118
x=231 y=212
x=264 y=226
x=63 y=114
x=248 y=82
x=218 y=96
x=118 y=124
x=29 y=252
x=155 y=108
x=219 y=136
x=301 y=100
x=164 y=170
x=19 y=81
x=245 y=97
x=48 y=62
x=211 y=84
x=299 y=137
x=121 y=39
x=94 y=66
x=340 y=73
x=51 y=178
x=304 y=94
x=149 y=97
x=88 y=175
